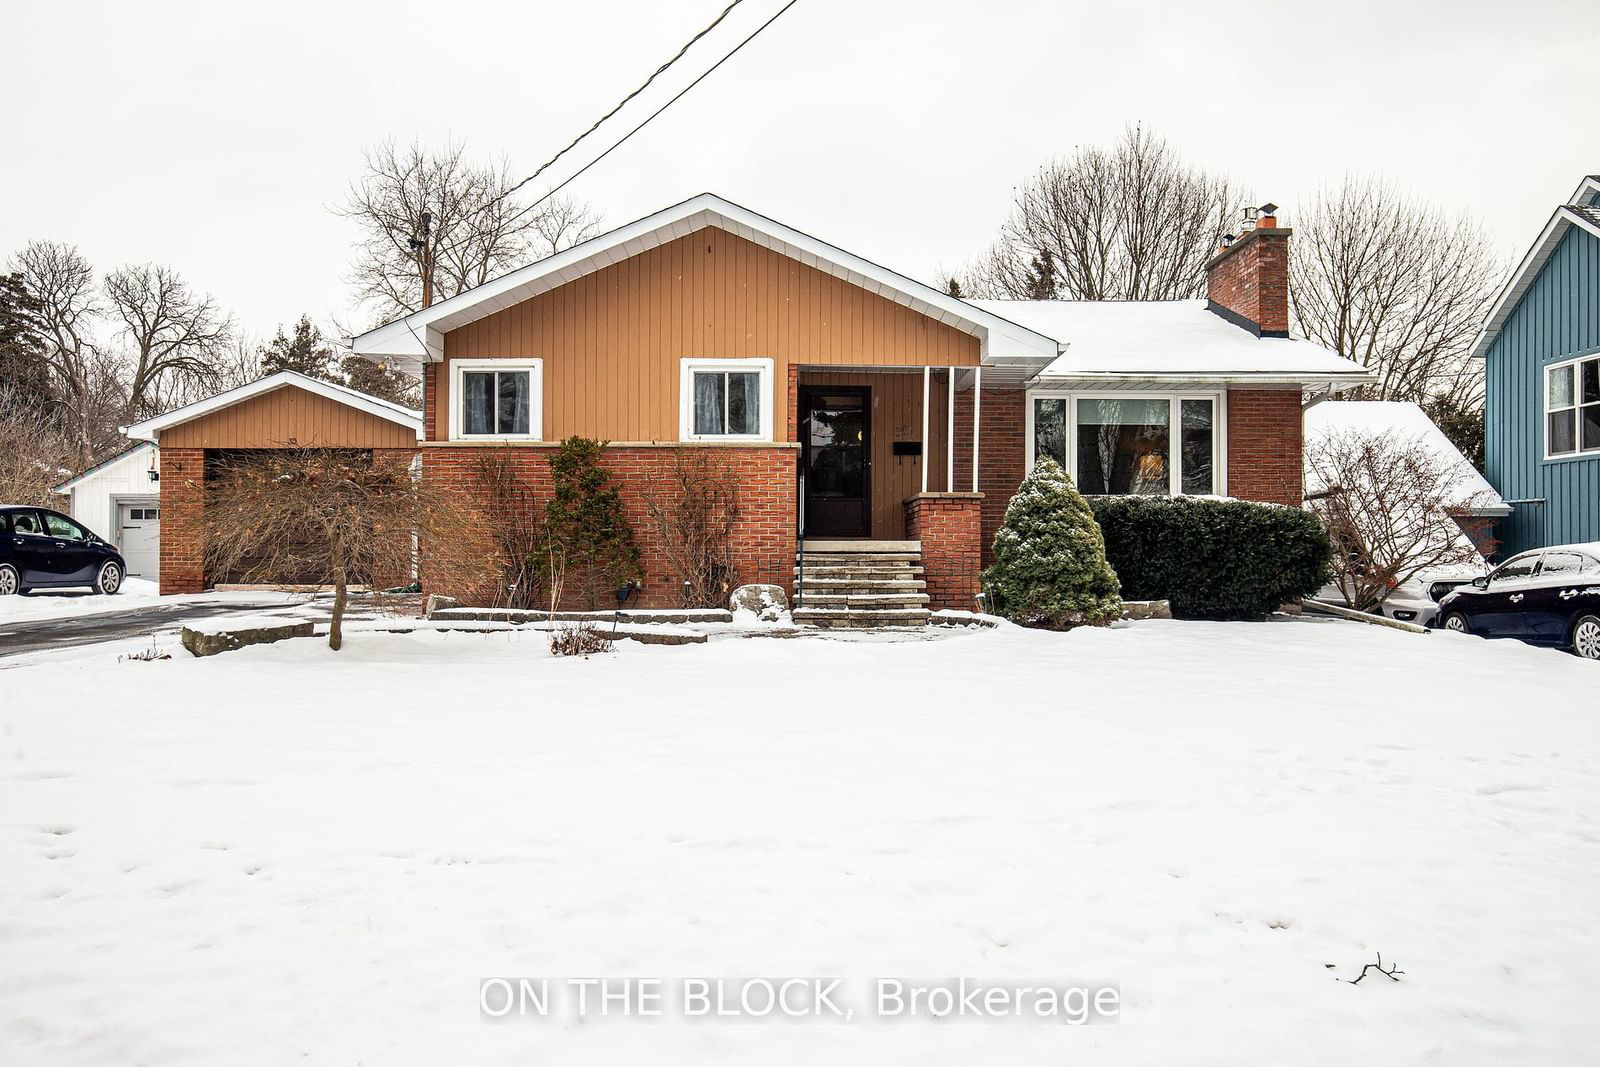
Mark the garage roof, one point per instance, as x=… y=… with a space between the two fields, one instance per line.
x=150 y=429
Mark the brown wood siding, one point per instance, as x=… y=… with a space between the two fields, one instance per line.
x=285 y=418
x=897 y=416
x=611 y=341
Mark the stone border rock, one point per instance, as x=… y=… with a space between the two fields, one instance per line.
x=209 y=642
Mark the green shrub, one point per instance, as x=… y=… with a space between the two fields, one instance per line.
x=1050 y=565
x=1213 y=559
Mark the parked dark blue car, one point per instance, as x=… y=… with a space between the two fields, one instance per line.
x=43 y=549
x=1549 y=596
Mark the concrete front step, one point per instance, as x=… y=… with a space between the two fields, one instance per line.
x=857 y=559
x=861 y=585
x=830 y=599
x=877 y=574
x=858 y=619
x=814 y=544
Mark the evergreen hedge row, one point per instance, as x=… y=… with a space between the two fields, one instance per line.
x=1213 y=559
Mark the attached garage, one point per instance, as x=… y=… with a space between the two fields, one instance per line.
x=283 y=411
x=120 y=500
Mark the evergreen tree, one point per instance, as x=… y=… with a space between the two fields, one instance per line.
x=1050 y=566
x=366 y=376
x=307 y=352
x=22 y=365
x=1041 y=280
x=583 y=519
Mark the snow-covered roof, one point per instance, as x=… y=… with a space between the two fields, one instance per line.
x=1014 y=350
x=1472 y=492
x=149 y=429
x=1580 y=210
x=1163 y=339
x=104 y=465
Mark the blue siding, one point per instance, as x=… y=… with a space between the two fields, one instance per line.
x=1558 y=318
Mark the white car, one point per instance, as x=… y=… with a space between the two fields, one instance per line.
x=1416 y=600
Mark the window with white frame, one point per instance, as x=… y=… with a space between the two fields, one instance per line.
x=496 y=400
x=1144 y=444
x=726 y=400
x=1572 y=407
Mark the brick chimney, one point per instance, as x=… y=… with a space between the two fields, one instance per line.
x=1247 y=281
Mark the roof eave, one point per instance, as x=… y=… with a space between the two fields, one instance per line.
x=1516 y=286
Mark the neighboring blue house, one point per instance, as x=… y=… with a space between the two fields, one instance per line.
x=1541 y=347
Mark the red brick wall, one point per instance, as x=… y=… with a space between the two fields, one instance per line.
x=1264 y=446
x=1002 y=426
x=1251 y=279
x=430 y=396
x=794 y=403
x=763 y=540
x=949 y=525
x=183 y=521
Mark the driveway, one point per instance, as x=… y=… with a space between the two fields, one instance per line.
x=39 y=635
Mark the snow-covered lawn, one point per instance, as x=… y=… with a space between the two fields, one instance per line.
x=284 y=855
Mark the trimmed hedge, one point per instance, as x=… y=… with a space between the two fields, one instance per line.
x=1213 y=559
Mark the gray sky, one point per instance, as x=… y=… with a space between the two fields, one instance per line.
x=215 y=137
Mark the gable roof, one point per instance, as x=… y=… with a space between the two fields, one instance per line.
x=110 y=461
x=1472 y=493
x=1130 y=340
x=1582 y=209
x=419 y=336
x=150 y=429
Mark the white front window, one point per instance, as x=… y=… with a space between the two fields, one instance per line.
x=726 y=400
x=1145 y=444
x=1572 y=407
x=496 y=400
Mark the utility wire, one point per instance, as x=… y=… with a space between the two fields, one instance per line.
x=547 y=164
x=652 y=116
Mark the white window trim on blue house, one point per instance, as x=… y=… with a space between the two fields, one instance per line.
x=1576 y=407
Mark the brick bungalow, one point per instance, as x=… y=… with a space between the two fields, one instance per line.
x=862 y=410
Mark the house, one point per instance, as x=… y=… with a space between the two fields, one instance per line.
x=1541 y=351
x=1469 y=498
x=120 y=499
x=860 y=409
x=179 y=450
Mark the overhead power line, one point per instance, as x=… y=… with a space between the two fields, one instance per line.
x=652 y=116
x=547 y=164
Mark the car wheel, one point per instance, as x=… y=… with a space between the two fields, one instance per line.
x=1586 y=637
x=109 y=580
x=9 y=582
x=1456 y=623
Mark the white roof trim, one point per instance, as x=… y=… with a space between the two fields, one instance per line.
x=420 y=335
x=104 y=465
x=1344 y=378
x=150 y=429
x=1523 y=277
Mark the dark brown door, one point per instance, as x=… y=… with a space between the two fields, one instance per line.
x=836 y=434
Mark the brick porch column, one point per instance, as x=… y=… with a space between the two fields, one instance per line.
x=949 y=525
x=183 y=520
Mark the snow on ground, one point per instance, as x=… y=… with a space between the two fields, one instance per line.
x=285 y=854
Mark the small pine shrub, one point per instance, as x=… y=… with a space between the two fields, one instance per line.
x=584 y=524
x=1213 y=559
x=1050 y=566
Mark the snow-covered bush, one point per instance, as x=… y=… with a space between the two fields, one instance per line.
x=1213 y=559
x=1049 y=558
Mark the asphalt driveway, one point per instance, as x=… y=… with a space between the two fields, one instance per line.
x=42 y=635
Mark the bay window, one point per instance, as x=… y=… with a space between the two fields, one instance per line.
x=1572 y=407
x=496 y=400
x=1140 y=444
x=726 y=400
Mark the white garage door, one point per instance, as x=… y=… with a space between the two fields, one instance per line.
x=140 y=526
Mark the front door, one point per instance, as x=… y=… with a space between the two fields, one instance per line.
x=836 y=435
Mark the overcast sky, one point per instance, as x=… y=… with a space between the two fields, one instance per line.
x=215 y=137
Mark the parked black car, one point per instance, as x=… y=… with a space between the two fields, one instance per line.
x=43 y=549
x=1549 y=596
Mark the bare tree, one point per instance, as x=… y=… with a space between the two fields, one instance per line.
x=337 y=517
x=1394 y=284
x=234 y=364
x=434 y=224
x=36 y=452
x=1393 y=507
x=174 y=334
x=86 y=385
x=1128 y=222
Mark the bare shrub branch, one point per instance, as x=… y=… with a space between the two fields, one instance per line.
x=36 y=452
x=1393 y=507
x=694 y=508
